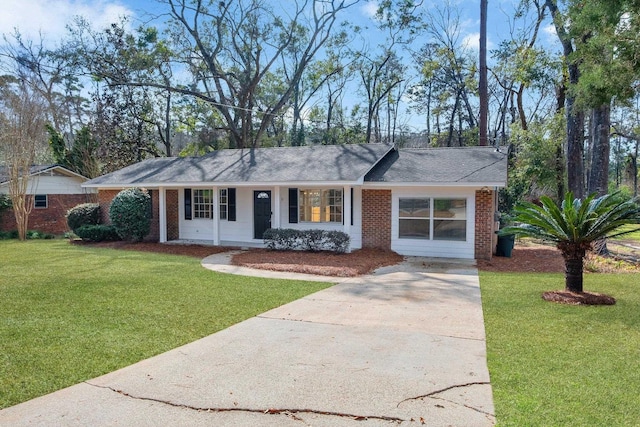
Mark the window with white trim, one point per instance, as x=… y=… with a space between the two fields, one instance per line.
x=432 y=218
x=40 y=201
x=203 y=203
x=414 y=218
x=320 y=205
x=450 y=219
x=224 y=204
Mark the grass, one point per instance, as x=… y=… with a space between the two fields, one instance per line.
x=635 y=236
x=558 y=365
x=69 y=313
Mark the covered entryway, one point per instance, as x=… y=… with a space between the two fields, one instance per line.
x=261 y=213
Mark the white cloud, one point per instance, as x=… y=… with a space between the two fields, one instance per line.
x=549 y=32
x=472 y=41
x=370 y=8
x=50 y=16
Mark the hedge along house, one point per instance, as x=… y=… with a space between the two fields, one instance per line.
x=52 y=190
x=437 y=202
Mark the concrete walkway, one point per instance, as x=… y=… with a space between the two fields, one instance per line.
x=405 y=346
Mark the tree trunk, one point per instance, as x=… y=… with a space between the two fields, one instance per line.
x=573 y=254
x=483 y=88
x=599 y=174
x=573 y=273
x=575 y=118
x=575 y=149
x=561 y=91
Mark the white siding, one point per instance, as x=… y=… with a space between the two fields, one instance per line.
x=356 y=228
x=196 y=228
x=53 y=184
x=241 y=230
x=238 y=231
x=434 y=248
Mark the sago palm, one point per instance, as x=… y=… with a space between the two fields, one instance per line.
x=575 y=226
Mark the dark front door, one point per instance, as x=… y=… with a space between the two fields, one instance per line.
x=261 y=213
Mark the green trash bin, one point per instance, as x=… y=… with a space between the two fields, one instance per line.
x=505 y=245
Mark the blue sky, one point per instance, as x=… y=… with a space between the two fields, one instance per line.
x=50 y=16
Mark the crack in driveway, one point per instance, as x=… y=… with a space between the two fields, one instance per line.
x=434 y=394
x=268 y=411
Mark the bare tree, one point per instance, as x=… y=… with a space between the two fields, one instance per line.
x=22 y=133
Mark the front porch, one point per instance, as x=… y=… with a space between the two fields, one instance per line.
x=238 y=216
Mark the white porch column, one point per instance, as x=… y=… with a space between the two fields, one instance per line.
x=277 y=207
x=162 y=214
x=216 y=216
x=346 y=211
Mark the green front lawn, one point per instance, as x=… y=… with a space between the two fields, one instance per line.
x=558 y=365
x=70 y=313
x=634 y=236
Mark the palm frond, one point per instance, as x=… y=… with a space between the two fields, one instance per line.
x=575 y=221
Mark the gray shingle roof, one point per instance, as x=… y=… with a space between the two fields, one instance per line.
x=377 y=163
x=261 y=165
x=465 y=165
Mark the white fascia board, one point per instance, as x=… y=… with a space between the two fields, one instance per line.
x=63 y=170
x=386 y=185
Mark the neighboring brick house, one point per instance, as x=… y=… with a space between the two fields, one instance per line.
x=438 y=202
x=53 y=190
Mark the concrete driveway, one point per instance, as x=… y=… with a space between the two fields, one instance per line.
x=405 y=346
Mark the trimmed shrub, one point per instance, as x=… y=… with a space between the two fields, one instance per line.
x=129 y=214
x=84 y=214
x=39 y=235
x=282 y=238
x=8 y=235
x=98 y=233
x=289 y=239
x=337 y=241
x=5 y=202
x=31 y=235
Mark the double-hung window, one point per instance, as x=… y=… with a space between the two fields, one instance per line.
x=432 y=219
x=320 y=205
x=40 y=201
x=414 y=218
x=450 y=219
x=202 y=203
x=224 y=203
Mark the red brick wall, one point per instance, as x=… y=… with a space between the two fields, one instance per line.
x=376 y=219
x=173 y=232
x=154 y=234
x=484 y=221
x=51 y=219
x=105 y=197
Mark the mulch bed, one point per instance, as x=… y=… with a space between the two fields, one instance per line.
x=573 y=298
x=526 y=259
x=356 y=263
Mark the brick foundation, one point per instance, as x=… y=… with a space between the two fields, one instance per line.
x=376 y=219
x=484 y=222
x=51 y=219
